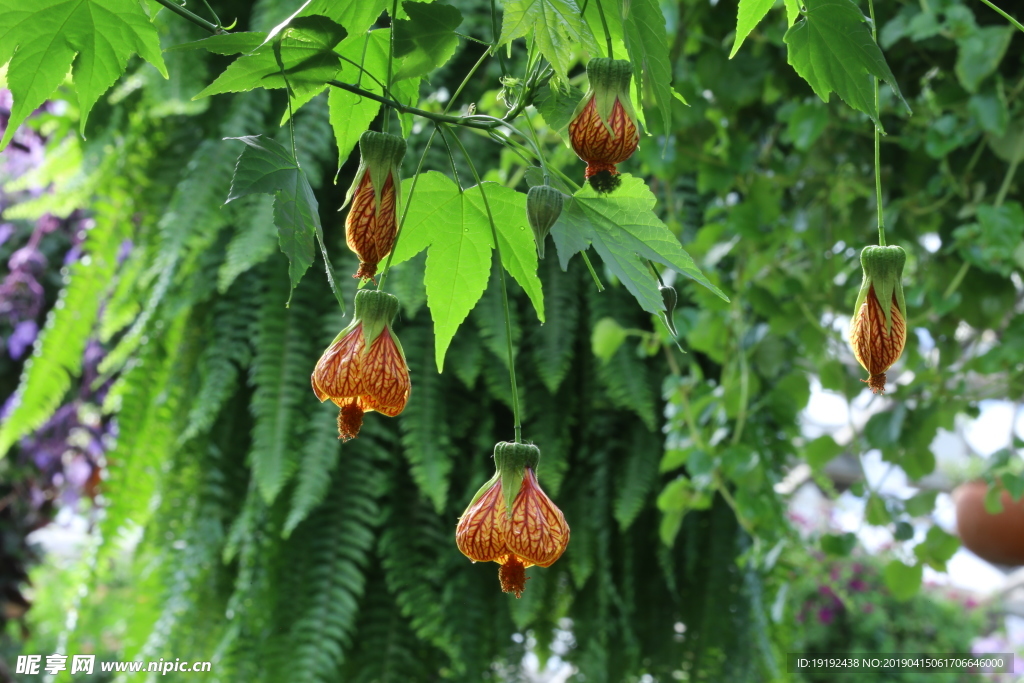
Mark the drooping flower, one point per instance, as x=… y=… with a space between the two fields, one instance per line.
x=878 y=331
x=372 y=222
x=364 y=368
x=511 y=520
x=603 y=130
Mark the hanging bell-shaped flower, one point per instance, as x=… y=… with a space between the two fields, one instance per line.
x=543 y=207
x=511 y=521
x=364 y=368
x=878 y=331
x=372 y=222
x=603 y=131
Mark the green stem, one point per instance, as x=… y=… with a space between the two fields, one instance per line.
x=504 y=290
x=878 y=136
x=957 y=279
x=391 y=63
x=1007 y=179
x=604 y=25
x=194 y=18
x=215 y=17
x=1005 y=15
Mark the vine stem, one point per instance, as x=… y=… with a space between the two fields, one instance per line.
x=1005 y=15
x=191 y=16
x=604 y=25
x=504 y=289
x=405 y=211
x=391 y=62
x=878 y=135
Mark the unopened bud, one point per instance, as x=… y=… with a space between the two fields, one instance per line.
x=543 y=207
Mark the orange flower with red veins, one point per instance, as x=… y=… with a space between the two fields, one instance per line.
x=603 y=131
x=364 y=368
x=512 y=521
x=372 y=223
x=878 y=331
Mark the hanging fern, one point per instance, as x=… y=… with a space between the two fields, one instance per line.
x=285 y=355
x=641 y=455
x=426 y=443
x=553 y=343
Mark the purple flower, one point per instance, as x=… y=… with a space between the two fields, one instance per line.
x=21 y=339
x=858 y=586
x=826 y=615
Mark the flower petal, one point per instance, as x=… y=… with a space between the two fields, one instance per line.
x=538 y=533
x=482 y=529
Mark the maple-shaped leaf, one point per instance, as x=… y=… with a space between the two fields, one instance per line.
x=624 y=230
x=267 y=167
x=452 y=225
x=42 y=38
x=301 y=52
x=556 y=25
x=425 y=40
x=832 y=49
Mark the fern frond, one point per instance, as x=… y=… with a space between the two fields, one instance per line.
x=552 y=344
x=411 y=555
x=285 y=356
x=57 y=355
x=466 y=356
x=227 y=353
x=333 y=548
x=319 y=460
x=425 y=439
x=254 y=241
x=641 y=455
x=489 y=316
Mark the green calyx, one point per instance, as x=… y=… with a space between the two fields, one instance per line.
x=543 y=207
x=375 y=310
x=883 y=270
x=511 y=461
x=379 y=155
x=609 y=81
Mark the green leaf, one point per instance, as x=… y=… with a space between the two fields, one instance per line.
x=820 y=452
x=425 y=40
x=875 y=511
x=980 y=53
x=838 y=544
x=307 y=54
x=937 y=548
x=902 y=580
x=555 y=25
x=226 y=44
x=921 y=504
x=42 y=38
x=606 y=338
x=357 y=16
x=904 y=531
x=792 y=11
x=622 y=227
x=675 y=500
x=453 y=225
x=832 y=49
x=883 y=429
x=1014 y=484
x=351 y=114
x=556 y=104
x=647 y=44
x=748 y=16
x=266 y=167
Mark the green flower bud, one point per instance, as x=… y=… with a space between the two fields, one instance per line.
x=543 y=207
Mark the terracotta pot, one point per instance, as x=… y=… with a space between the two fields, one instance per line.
x=999 y=538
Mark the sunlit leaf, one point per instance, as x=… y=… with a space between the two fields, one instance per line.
x=306 y=51
x=556 y=26
x=453 y=226
x=748 y=16
x=41 y=39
